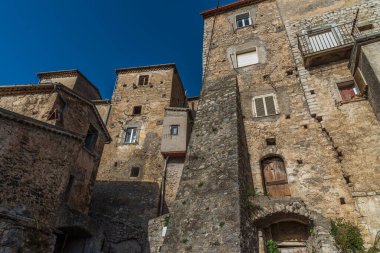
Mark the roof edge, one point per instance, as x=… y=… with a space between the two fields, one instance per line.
x=69 y=72
x=149 y=67
x=228 y=7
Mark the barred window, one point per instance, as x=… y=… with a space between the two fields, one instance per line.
x=143 y=80
x=130 y=135
x=243 y=20
x=265 y=105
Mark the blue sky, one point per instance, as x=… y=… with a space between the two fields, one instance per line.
x=97 y=36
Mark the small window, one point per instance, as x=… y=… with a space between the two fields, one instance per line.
x=243 y=20
x=91 y=138
x=265 y=106
x=174 y=130
x=143 y=80
x=348 y=90
x=365 y=27
x=130 y=135
x=137 y=110
x=246 y=59
x=135 y=172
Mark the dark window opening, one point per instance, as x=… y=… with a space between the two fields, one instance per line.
x=137 y=110
x=135 y=171
x=342 y=201
x=312 y=92
x=143 y=80
x=69 y=188
x=299 y=161
x=271 y=141
x=174 y=130
x=91 y=138
x=365 y=27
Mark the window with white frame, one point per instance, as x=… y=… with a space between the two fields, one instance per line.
x=247 y=58
x=243 y=20
x=265 y=105
x=130 y=135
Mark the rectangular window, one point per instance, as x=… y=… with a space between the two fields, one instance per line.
x=137 y=110
x=174 y=129
x=348 y=90
x=91 y=138
x=323 y=40
x=246 y=59
x=130 y=135
x=243 y=20
x=135 y=171
x=265 y=106
x=143 y=80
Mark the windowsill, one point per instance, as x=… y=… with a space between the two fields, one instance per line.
x=247 y=66
x=267 y=116
x=240 y=28
x=355 y=99
x=127 y=143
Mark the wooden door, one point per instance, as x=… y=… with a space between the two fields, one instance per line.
x=275 y=177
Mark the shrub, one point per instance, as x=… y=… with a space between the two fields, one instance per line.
x=347 y=236
x=272 y=247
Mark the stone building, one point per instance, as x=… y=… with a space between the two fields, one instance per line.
x=150 y=124
x=299 y=83
x=51 y=141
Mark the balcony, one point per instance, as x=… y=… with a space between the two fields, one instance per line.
x=327 y=44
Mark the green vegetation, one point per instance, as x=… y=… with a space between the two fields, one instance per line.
x=166 y=221
x=221 y=224
x=347 y=236
x=272 y=247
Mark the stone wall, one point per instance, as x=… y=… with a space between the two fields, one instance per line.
x=350 y=126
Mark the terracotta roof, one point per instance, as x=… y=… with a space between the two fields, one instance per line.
x=228 y=7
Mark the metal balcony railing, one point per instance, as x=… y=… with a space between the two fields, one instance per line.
x=319 y=40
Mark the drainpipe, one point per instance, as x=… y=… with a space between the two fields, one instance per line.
x=163 y=182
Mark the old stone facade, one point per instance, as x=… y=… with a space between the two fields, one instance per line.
x=282 y=141
x=52 y=138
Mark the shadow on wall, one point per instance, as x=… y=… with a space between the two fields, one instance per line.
x=122 y=210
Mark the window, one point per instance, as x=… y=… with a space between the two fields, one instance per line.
x=275 y=179
x=135 y=172
x=265 y=106
x=174 y=130
x=137 y=110
x=348 y=90
x=130 y=135
x=143 y=80
x=91 y=138
x=246 y=59
x=243 y=20
x=323 y=40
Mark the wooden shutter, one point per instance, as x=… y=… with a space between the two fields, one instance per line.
x=259 y=107
x=275 y=177
x=270 y=105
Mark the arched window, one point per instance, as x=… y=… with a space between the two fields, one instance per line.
x=275 y=179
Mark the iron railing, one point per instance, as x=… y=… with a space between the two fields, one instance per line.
x=315 y=41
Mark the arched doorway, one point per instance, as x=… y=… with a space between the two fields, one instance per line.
x=275 y=179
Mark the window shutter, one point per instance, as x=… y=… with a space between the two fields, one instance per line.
x=270 y=105
x=259 y=106
x=247 y=59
